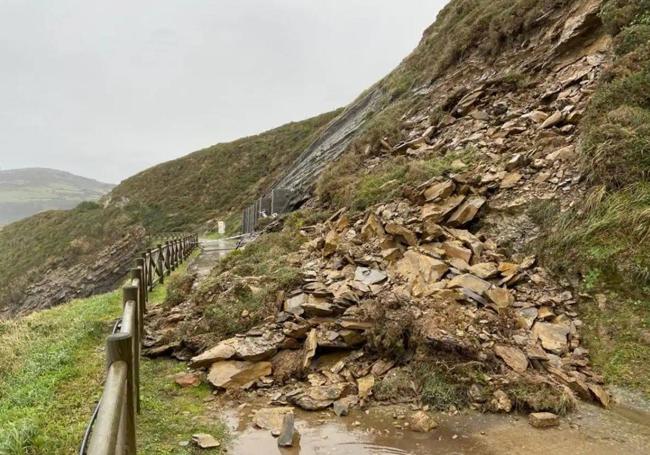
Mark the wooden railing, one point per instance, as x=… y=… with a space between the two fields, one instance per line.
x=112 y=427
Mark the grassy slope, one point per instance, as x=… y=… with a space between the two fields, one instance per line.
x=55 y=238
x=51 y=372
x=174 y=196
x=606 y=240
x=220 y=179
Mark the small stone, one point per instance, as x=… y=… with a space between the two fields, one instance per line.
x=555 y=119
x=500 y=402
x=421 y=422
x=501 y=297
x=205 y=441
x=543 y=420
x=400 y=231
x=187 y=380
x=365 y=385
x=439 y=191
x=311 y=343
x=369 y=276
x=471 y=282
x=484 y=270
x=286 y=435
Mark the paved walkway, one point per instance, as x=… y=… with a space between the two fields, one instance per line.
x=211 y=252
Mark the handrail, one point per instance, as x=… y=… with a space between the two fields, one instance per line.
x=111 y=430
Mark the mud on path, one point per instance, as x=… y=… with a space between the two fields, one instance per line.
x=380 y=430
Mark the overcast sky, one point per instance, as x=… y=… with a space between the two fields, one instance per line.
x=107 y=88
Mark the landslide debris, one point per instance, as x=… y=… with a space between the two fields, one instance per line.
x=426 y=292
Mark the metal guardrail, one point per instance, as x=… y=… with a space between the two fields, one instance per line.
x=112 y=428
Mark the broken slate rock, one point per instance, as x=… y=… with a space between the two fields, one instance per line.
x=513 y=357
x=369 y=276
x=311 y=343
x=484 y=270
x=439 y=190
x=553 y=336
x=543 y=420
x=205 y=441
x=271 y=418
x=400 y=231
x=294 y=304
x=235 y=374
x=316 y=398
x=286 y=434
x=466 y=212
x=471 y=282
x=500 y=402
x=222 y=351
x=501 y=297
x=422 y=422
x=365 y=385
x=421 y=271
x=257 y=348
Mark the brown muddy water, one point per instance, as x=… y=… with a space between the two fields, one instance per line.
x=589 y=431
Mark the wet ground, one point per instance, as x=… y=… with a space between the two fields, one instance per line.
x=211 y=252
x=377 y=431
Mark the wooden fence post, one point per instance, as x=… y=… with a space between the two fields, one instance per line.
x=131 y=294
x=161 y=271
x=168 y=263
x=119 y=349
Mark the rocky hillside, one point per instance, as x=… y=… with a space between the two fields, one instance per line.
x=482 y=240
x=54 y=256
x=24 y=192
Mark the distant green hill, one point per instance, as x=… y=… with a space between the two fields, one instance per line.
x=24 y=192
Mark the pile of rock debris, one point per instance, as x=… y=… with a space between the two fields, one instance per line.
x=416 y=267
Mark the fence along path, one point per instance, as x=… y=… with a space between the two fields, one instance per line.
x=113 y=425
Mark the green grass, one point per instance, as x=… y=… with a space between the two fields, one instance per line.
x=219 y=180
x=51 y=370
x=171 y=414
x=347 y=184
x=51 y=373
x=604 y=240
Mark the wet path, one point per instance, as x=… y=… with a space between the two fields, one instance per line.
x=211 y=252
x=589 y=431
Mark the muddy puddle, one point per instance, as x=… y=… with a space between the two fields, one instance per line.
x=590 y=431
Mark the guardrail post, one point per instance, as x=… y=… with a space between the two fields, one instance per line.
x=161 y=271
x=142 y=276
x=168 y=264
x=149 y=269
x=132 y=294
x=119 y=348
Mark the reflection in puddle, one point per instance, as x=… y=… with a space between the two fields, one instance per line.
x=323 y=434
